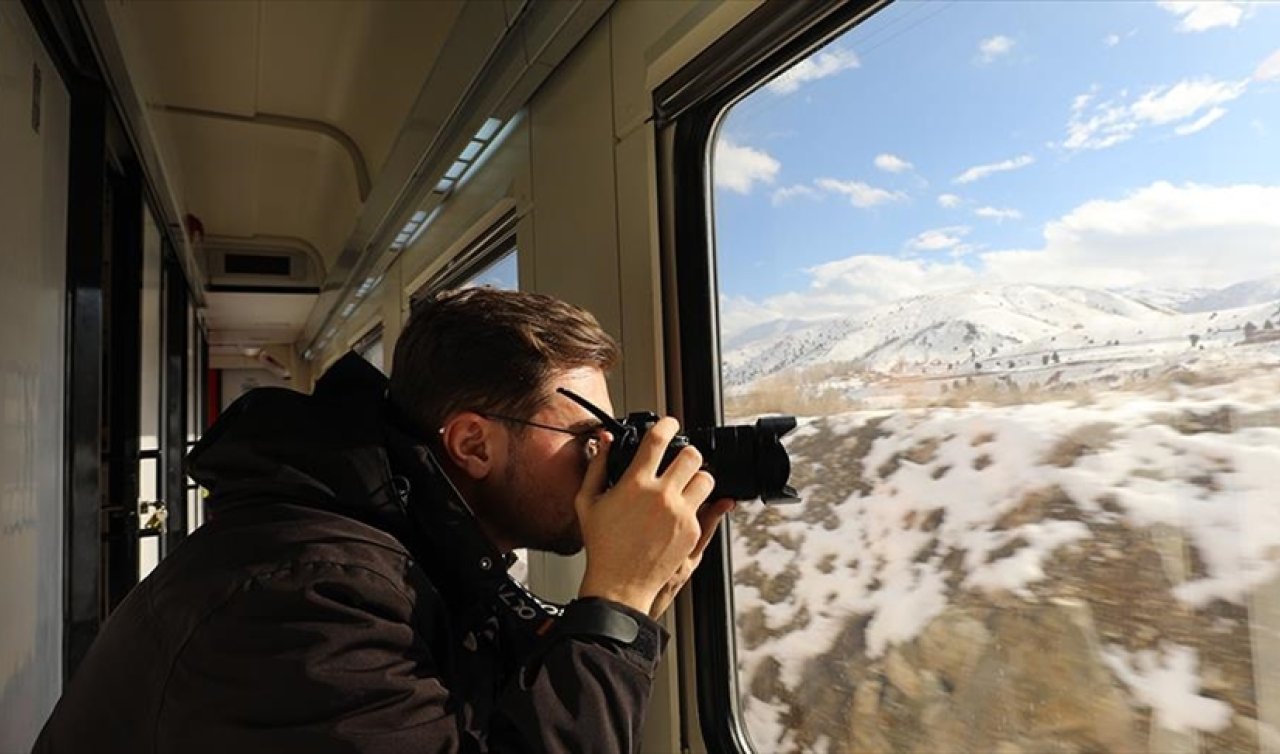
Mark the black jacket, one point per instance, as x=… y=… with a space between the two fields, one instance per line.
x=340 y=599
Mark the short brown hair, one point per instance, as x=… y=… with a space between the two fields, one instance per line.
x=485 y=349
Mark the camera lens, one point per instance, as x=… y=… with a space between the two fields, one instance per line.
x=748 y=461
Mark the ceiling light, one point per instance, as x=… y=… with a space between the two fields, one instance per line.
x=489 y=128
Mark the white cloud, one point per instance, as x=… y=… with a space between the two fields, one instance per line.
x=1159 y=235
x=891 y=163
x=1188 y=103
x=864 y=281
x=860 y=194
x=787 y=193
x=1269 y=69
x=1184 y=99
x=993 y=47
x=939 y=239
x=978 y=172
x=1111 y=40
x=1204 y=122
x=740 y=168
x=949 y=201
x=998 y=214
x=738 y=313
x=1162 y=235
x=812 y=68
x=1202 y=15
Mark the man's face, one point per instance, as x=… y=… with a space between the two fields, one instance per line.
x=530 y=500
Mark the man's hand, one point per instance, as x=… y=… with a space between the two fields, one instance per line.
x=640 y=533
x=709 y=517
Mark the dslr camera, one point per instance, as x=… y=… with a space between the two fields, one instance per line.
x=747 y=461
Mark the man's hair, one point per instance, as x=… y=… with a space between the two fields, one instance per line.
x=484 y=349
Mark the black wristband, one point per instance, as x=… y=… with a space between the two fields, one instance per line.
x=597 y=617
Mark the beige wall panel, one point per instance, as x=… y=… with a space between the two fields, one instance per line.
x=639 y=266
x=639 y=28
x=576 y=229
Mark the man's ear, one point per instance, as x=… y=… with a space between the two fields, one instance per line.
x=472 y=443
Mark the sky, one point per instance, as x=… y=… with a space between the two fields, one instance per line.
x=940 y=144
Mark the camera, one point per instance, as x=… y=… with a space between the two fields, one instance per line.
x=747 y=461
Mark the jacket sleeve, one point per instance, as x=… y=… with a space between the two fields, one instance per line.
x=585 y=690
x=326 y=657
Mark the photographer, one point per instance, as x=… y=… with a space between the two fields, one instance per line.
x=349 y=592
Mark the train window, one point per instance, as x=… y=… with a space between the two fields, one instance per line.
x=195 y=402
x=489 y=258
x=1014 y=267
x=370 y=347
x=152 y=510
x=503 y=273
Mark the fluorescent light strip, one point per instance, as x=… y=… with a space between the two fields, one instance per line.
x=489 y=128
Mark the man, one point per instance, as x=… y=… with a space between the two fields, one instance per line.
x=349 y=594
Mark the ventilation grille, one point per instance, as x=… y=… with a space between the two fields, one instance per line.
x=257 y=264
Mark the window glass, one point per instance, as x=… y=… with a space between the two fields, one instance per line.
x=151 y=516
x=1015 y=268
x=371 y=349
x=195 y=405
x=504 y=273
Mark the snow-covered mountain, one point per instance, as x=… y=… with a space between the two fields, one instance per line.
x=1248 y=293
x=1002 y=327
x=1173 y=299
x=952 y=328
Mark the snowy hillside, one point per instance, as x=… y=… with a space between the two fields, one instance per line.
x=1033 y=519
x=1060 y=576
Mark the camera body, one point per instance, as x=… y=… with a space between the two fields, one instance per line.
x=747 y=461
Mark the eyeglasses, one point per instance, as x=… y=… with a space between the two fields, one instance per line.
x=588 y=437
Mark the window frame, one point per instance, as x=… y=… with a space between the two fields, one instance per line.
x=492 y=245
x=689 y=108
x=370 y=335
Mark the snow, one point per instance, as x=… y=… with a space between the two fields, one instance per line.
x=1153 y=428
x=1154 y=473
x=1168 y=683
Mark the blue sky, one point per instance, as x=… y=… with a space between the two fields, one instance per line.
x=943 y=143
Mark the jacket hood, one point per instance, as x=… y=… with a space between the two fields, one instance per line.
x=342 y=449
x=324 y=450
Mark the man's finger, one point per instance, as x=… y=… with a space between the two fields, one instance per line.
x=686 y=463
x=709 y=517
x=653 y=446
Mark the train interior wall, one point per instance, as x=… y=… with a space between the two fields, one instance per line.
x=34 y=124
